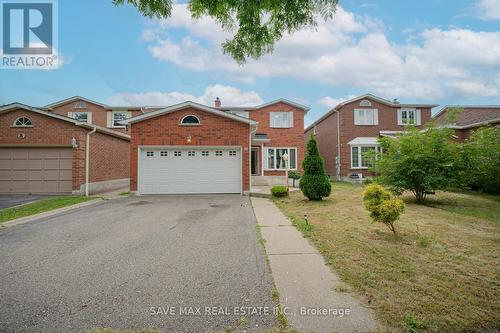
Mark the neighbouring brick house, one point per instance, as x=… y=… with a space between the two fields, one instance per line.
x=194 y=148
x=92 y=112
x=45 y=152
x=352 y=128
x=469 y=118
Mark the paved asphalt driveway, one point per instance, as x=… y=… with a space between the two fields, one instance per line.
x=108 y=264
x=11 y=200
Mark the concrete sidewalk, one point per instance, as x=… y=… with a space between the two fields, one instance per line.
x=306 y=285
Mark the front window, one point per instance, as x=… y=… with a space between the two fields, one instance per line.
x=365 y=117
x=118 y=117
x=83 y=117
x=23 y=122
x=362 y=156
x=281 y=119
x=275 y=159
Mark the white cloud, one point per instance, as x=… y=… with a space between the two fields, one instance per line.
x=348 y=51
x=489 y=9
x=230 y=96
x=331 y=102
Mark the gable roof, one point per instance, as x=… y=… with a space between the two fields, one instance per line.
x=180 y=106
x=16 y=106
x=368 y=96
x=251 y=108
x=80 y=98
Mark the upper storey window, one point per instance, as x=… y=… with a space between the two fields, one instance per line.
x=281 y=120
x=365 y=102
x=23 y=122
x=190 y=120
x=409 y=117
x=365 y=117
x=117 y=117
x=84 y=117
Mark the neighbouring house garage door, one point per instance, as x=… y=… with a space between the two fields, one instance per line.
x=36 y=170
x=170 y=170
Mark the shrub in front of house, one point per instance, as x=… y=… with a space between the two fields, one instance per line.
x=382 y=206
x=279 y=191
x=314 y=184
x=295 y=175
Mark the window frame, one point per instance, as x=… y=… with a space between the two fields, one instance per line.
x=275 y=154
x=417 y=114
x=360 y=155
x=89 y=116
x=357 y=118
x=23 y=125
x=273 y=124
x=80 y=105
x=113 y=118
x=182 y=123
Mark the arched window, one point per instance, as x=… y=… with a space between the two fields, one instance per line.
x=190 y=120
x=365 y=102
x=80 y=105
x=23 y=122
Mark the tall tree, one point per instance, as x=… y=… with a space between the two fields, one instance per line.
x=259 y=24
x=314 y=184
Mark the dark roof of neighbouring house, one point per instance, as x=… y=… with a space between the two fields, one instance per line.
x=471 y=115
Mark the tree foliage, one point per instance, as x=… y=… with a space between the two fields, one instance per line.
x=257 y=24
x=481 y=158
x=382 y=206
x=419 y=161
x=314 y=184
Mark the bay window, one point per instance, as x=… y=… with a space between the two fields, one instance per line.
x=362 y=156
x=275 y=161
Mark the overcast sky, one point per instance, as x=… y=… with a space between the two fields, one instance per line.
x=429 y=51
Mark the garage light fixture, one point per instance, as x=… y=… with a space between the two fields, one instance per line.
x=188 y=139
x=73 y=143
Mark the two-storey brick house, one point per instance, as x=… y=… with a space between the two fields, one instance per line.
x=352 y=128
x=194 y=148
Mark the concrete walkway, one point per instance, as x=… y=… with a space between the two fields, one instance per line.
x=306 y=285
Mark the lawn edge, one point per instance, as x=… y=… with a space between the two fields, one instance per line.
x=48 y=213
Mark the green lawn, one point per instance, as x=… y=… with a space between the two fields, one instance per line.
x=41 y=206
x=443 y=275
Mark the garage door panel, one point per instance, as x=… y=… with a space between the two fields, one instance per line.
x=189 y=174
x=35 y=170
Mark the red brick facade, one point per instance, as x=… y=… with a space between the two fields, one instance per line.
x=99 y=113
x=109 y=155
x=281 y=137
x=165 y=130
x=326 y=132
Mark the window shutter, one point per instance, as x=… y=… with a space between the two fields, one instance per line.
x=70 y=114
x=290 y=119
x=375 y=116
x=400 y=119
x=89 y=117
x=272 y=119
x=129 y=114
x=418 y=117
x=109 y=117
x=356 y=117
x=264 y=153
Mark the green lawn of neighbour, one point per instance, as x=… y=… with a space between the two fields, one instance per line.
x=41 y=206
x=443 y=275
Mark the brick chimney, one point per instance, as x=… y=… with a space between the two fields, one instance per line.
x=217 y=102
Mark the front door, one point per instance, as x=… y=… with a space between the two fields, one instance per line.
x=254 y=161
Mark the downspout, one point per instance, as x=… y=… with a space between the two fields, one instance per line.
x=338 y=145
x=252 y=132
x=87 y=157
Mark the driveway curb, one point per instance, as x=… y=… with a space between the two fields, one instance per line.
x=50 y=213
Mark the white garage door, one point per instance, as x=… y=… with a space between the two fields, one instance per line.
x=171 y=170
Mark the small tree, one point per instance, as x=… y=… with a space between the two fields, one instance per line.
x=382 y=207
x=481 y=160
x=294 y=175
x=314 y=184
x=419 y=161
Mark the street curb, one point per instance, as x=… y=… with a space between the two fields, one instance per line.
x=50 y=213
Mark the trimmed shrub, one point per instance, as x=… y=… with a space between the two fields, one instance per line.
x=279 y=191
x=382 y=207
x=314 y=184
x=294 y=175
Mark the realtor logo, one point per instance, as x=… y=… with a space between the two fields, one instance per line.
x=29 y=34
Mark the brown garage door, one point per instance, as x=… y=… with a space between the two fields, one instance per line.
x=36 y=170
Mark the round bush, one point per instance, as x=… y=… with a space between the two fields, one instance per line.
x=279 y=191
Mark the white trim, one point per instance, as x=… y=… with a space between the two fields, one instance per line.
x=416 y=116
x=129 y=114
x=363 y=141
x=286 y=101
x=190 y=124
x=277 y=119
x=360 y=156
x=184 y=105
x=276 y=169
x=374 y=117
x=88 y=113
